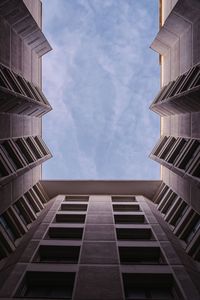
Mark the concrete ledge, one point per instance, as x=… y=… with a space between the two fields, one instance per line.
x=146 y=188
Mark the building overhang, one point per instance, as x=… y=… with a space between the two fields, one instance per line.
x=146 y=188
x=184 y=14
x=16 y=13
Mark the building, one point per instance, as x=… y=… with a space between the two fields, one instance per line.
x=22 y=150
x=95 y=240
x=177 y=103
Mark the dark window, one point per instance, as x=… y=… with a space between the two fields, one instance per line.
x=58 y=254
x=179 y=214
x=70 y=218
x=140 y=255
x=52 y=285
x=194 y=227
x=20 y=213
x=126 y=207
x=73 y=207
x=150 y=286
x=123 y=199
x=65 y=233
x=129 y=219
x=7 y=228
x=134 y=233
x=77 y=198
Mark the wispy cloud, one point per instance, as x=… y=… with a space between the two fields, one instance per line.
x=100 y=79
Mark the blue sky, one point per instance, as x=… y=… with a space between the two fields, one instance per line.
x=100 y=79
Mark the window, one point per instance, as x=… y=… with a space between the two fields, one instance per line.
x=73 y=207
x=29 y=213
x=70 y=218
x=179 y=213
x=34 y=147
x=41 y=144
x=187 y=153
x=161 y=192
x=189 y=80
x=77 y=198
x=57 y=254
x=134 y=233
x=167 y=201
x=6 y=245
x=129 y=219
x=16 y=90
x=150 y=286
x=126 y=207
x=50 y=285
x=123 y=199
x=193 y=228
x=5 y=167
x=31 y=201
x=65 y=232
x=14 y=153
x=166 y=148
x=8 y=229
x=40 y=193
x=175 y=151
x=161 y=142
x=10 y=80
x=20 y=213
x=25 y=149
x=140 y=255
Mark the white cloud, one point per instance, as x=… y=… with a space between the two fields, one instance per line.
x=99 y=78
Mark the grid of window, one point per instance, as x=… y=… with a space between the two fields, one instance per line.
x=50 y=285
x=61 y=245
x=137 y=246
x=147 y=255
x=57 y=254
x=72 y=210
x=17 y=219
x=180 y=155
x=21 y=96
x=134 y=233
x=150 y=286
x=183 y=220
x=16 y=155
x=180 y=95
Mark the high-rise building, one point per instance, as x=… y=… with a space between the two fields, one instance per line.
x=95 y=240
x=22 y=105
x=177 y=103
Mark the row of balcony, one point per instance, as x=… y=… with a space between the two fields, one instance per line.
x=19 y=155
x=179 y=96
x=20 y=96
x=182 y=219
x=18 y=218
x=180 y=155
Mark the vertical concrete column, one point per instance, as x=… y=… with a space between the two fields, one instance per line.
x=99 y=274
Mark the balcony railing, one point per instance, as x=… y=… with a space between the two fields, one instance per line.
x=179 y=96
x=20 y=96
x=19 y=155
x=180 y=155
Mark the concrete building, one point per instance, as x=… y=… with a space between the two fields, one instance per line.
x=95 y=240
x=177 y=103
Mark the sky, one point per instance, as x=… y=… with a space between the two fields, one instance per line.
x=100 y=79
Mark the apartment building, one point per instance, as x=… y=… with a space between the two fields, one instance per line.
x=22 y=105
x=95 y=240
x=177 y=104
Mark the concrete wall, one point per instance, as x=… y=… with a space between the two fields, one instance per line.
x=178 y=44
x=17 y=54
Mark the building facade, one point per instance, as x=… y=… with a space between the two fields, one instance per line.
x=100 y=240
x=22 y=105
x=177 y=103
x=95 y=240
